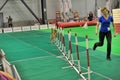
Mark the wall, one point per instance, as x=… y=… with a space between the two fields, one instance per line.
x=1 y=20
x=52 y=7
x=20 y=13
x=114 y=4
x=85 y=6
x=80 y=6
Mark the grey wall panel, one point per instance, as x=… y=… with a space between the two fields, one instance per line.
x=19 y=12
x=52 y=7
x=80 y=6
x=1 y=20
x=101 y=3
x=90 y=6
x=85 y=6
x=116 y=4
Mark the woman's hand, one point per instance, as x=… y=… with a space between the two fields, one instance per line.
x=114 y=35
x=97 y=26
x=96 y=32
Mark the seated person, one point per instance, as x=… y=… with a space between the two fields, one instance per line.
x=76 y=16
x=58 y=17
x=90 y=16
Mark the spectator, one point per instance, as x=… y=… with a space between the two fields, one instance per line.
x=10 y=24
x=76 y=16
x=90 y=16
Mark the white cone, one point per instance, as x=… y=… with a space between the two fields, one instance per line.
x=85 y=25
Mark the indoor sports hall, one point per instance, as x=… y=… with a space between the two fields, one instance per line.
x=59 y=39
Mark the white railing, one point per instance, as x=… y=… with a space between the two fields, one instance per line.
x=26 y=28
x=9 y=68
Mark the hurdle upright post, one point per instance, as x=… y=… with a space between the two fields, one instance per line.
x=69 y=45
x=77 y=51
x=88 y=57
x=63 y=43
x=60 y=38
x=71 y=50
x=57 y=42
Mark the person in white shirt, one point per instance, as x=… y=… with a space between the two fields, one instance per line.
x=99 y=12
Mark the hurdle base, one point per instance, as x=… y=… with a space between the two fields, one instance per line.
x=67 y=67
x=87 y=72
x=60 y=56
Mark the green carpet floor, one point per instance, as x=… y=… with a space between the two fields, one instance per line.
x=36 y=58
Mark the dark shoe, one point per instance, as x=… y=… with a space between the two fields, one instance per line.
x=94 y=47
x=108 y=58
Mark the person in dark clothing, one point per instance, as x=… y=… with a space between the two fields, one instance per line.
x=90 y=16
x=105 y=31
x=10 y=24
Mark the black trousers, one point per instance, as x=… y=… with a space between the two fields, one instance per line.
x=10 y=25
x=90 y=18
x=108 y=36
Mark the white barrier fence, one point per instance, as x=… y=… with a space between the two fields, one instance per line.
x=9 y=68
x=26 y=28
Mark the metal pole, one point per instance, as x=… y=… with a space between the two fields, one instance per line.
x=30 y=10
x=44 y=12
x=96 y=7
x=88 y=57
x=38 y=6
x=3 y=5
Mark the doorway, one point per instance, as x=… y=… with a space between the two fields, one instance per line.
x=1 y=20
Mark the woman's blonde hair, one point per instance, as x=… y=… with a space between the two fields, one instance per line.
x=104 y=8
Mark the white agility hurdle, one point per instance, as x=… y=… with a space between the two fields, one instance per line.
x=60 y=42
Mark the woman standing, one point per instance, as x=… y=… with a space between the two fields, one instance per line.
x=104 y=31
